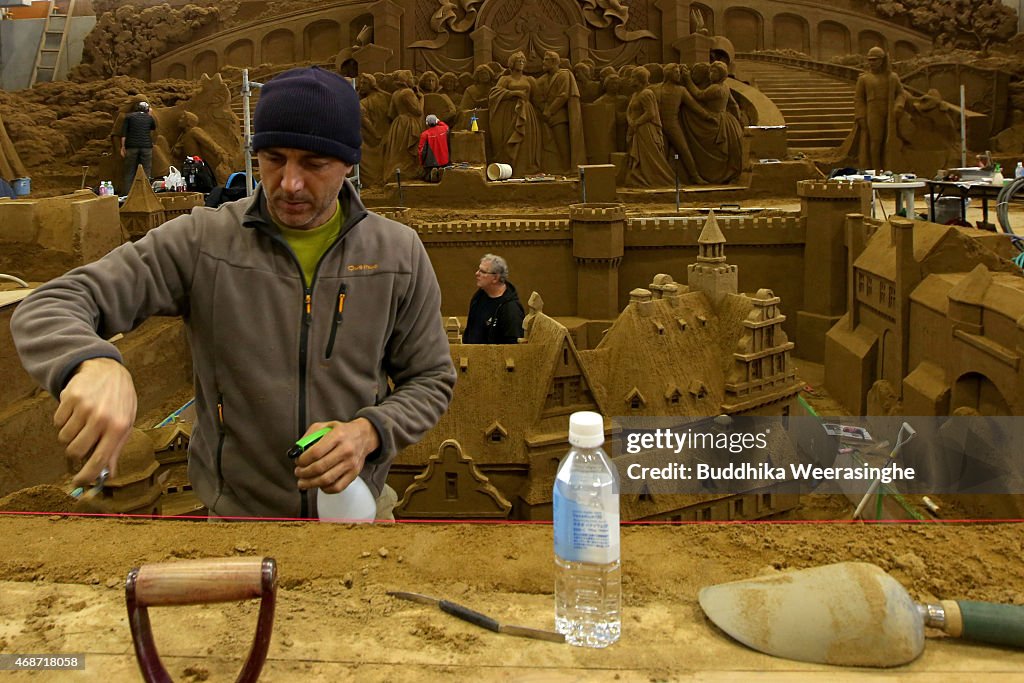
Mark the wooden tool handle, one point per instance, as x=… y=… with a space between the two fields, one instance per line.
x=987 y=622
x=196 y=582
x=467 y=614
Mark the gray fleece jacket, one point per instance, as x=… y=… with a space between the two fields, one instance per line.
x=271 y=354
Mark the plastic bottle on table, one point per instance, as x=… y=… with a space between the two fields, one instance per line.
x=997 y=177
x=1019 y=172
x=585 y=508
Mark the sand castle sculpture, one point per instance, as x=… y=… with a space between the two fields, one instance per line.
x=531 y=109
x=557 y=86
x=460 y=44
x=697 y=349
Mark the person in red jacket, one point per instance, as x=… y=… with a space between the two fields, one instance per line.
x=433 y=151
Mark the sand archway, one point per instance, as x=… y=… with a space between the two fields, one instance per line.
x=975 y=390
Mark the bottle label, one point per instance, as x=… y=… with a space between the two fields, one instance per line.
x=585 y=533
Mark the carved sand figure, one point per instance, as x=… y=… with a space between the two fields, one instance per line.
x=10 y=163
x=657 y=73
x=714 y=135
x=590 y=89
x=386 y=82
x=926 y=125
x=194 y=141
x=465 y=80
x=879 y=103
x=700 y=74
x=670 y=102
x=434 y=101
x=449 y=81
x=406 y=112
x=613 y=86
x=373 y=106
x=558 y=101
x=212 y=104
x=375 y=123
x=648 y=166
x=474 y=98
x=515 y=130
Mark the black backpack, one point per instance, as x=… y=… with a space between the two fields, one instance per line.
x=198 y=175
x=234 y=189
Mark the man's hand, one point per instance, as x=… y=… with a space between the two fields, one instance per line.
x=335 y=460
x=124 y=152
x=96 y=414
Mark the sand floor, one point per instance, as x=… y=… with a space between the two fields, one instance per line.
x=62 y=592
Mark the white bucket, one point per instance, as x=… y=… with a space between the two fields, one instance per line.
x=499 y=172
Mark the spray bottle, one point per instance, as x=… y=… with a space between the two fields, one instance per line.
x=355 y=503
x=997 y=177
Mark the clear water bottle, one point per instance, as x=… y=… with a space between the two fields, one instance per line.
x=1019 y=172
x=585 y=508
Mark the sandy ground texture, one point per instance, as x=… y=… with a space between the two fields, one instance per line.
x=334 y=621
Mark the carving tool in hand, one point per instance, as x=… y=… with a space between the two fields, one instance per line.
x=83 y=493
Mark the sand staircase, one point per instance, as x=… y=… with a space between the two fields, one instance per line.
x=818 y=108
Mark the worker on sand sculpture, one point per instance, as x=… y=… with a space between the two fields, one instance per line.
x=305 y=311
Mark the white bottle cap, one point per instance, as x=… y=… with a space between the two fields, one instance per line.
x=586 y=429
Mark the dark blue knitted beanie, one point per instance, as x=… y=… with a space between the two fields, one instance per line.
x=311 y=109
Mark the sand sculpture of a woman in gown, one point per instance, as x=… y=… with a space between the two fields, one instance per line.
x=515 y=131
x=401 y=145
x=714 y=135
x=648 y=166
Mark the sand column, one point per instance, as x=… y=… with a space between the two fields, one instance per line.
x=824 y=206
x=598 y=245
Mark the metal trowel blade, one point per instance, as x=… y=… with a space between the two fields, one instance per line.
x=847 y=614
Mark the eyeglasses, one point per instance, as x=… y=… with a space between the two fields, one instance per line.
x=485 y=272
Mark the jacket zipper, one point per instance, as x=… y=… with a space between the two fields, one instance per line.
x=337 y=320
x=221 y=434
x=307 y=322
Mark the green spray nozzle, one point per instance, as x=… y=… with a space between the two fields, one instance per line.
x=305 y=442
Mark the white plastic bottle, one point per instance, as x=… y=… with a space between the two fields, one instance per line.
x=354 y=504
x=1019 y=172
x=997 y=177
x=585 y=508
